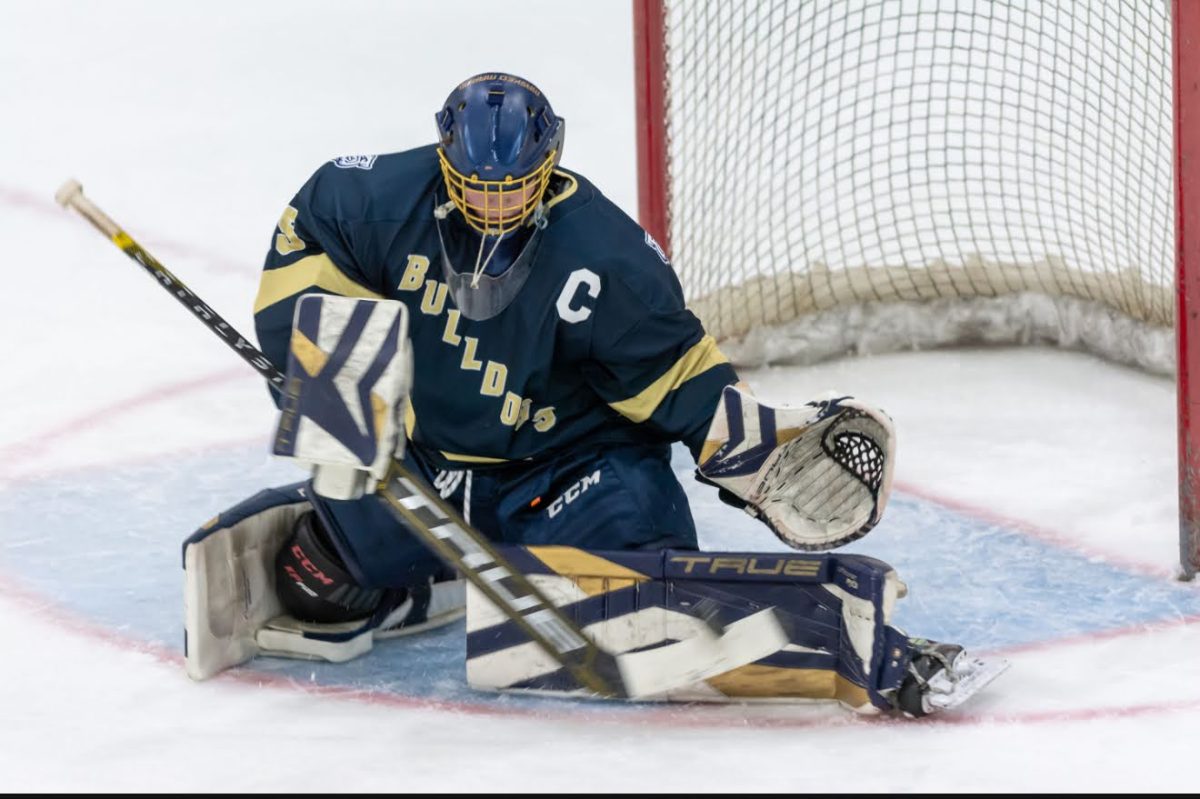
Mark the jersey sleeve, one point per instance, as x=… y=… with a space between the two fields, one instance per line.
x=652 y=360
x=311 y=251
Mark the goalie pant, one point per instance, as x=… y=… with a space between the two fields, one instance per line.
x=622 y=497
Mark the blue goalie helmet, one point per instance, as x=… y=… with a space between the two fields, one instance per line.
x=499 y=142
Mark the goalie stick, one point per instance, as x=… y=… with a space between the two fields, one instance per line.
x=625 y=675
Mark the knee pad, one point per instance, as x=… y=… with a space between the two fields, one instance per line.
x=313 y=583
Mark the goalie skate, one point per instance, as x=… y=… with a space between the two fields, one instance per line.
x=423 y=608
x=944 y=676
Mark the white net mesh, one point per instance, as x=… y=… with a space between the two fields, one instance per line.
x=866 y=175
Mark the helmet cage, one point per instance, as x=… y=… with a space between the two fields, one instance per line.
x=496 y=207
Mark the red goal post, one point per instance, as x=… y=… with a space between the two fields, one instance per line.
x=834 y=176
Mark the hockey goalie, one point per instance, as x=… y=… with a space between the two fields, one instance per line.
x=489 y=320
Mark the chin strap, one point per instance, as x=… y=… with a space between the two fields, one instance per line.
x=480 y=267
x=539 y=219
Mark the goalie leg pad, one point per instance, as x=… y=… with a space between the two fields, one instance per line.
x=812 y=627
x=832 y=612
x=233 y=611
x=229 y=578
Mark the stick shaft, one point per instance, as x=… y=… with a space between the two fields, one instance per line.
x=71 y=196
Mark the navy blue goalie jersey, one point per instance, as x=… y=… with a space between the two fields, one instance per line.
x=596 y=347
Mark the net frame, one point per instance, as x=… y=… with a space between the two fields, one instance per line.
x=817 y=307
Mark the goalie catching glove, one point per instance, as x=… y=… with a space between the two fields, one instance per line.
x=818 y=475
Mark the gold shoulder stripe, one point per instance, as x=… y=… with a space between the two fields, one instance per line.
x=703 y=356
x=315 y=271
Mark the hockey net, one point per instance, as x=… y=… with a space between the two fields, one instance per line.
x=871 y=175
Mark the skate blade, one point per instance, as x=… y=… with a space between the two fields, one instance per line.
x=973 y=675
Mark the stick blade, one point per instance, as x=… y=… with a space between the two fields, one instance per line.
x=654 y=672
